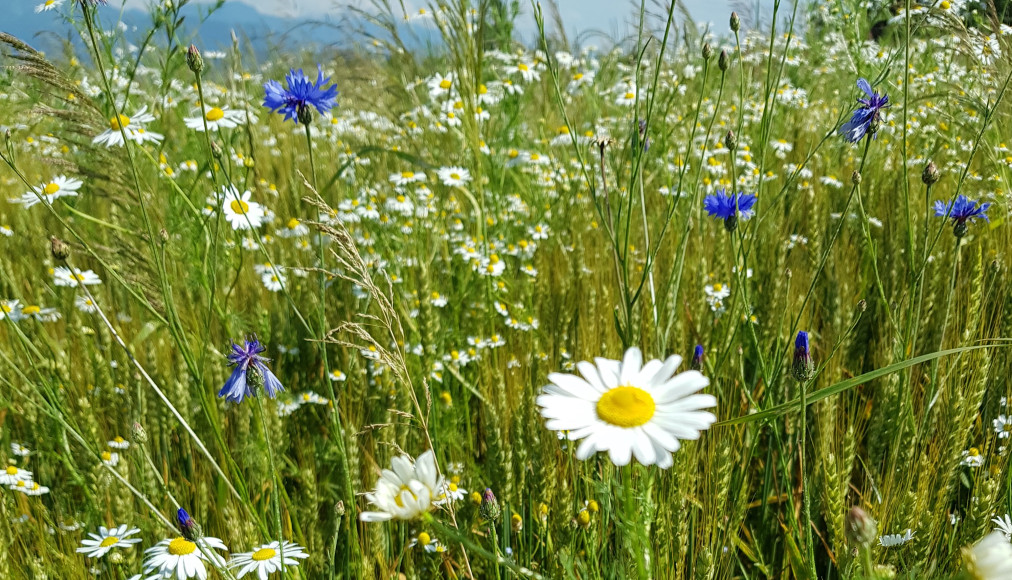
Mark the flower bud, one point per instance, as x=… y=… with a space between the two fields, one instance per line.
x=731 y=223
x=960 y=229
x=583 y=518
x=707 y=51
x=697 y=358
x=489 y=509
x=723 y=61
x=803 y=366
x=516 y=522
x=138 y=434
x=305 y=116
x=216 y=151
x=930 y=174
x=59 y=249
x=731 y=140
x=861 y=529
x=735 y=22
x=187 y=526
x=862 y=305
x=855 y=177
x=194 y=60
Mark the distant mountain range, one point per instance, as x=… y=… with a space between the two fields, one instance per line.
x=46 y=30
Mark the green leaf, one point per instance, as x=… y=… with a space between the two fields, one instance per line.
x=851 y=383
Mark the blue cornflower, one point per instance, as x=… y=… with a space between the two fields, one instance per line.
x=730 y=207
x=866 y=117
x=961 y=211
x=697 y=358
x=250 y=370
x=301 y=94
x=803 y=365
x=187 y=526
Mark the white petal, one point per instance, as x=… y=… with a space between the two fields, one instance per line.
x=631 y=365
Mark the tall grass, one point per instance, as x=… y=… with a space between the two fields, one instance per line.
x=393 y=331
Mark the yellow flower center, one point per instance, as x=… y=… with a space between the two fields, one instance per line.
x=398 y=500
x=445 y=84
x=944 y=5
x=424 y=539
x=50 y=2
x=30 y=310
x=522 y=67
x=51 y=188
x=108 y=542
x=407 y=174
x=630 y=96
x=626 y=407
x=11 y=470
x=181 y=547
x=293 y=223
x=118 y=439
x=973 y=452
x=78 y=277
x=454 y=176
x=215 y=114
x=263 y=554
x=239 y=206
x=119 y=122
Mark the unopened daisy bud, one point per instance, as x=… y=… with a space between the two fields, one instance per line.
x=194 y=60
x=583 y=518
x=930 y=174
x=593 y=506
x=339 y=509
x=138 y=434
x=187 y=526
x=862 y=305
x=735 y=22
x=115 y=558
x=707 y=51
x=164 y=235
x=216 y=151
x=861 y=528
x=803 y=367
x=731 y=140
x=855 y=177
x=516 y=522
x=723 y=61
x=543 y=511
x=59 y=249
x=697 y=358
x=489 y=509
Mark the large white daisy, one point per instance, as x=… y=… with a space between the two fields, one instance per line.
x=628 y=409
x=990 y=559
x=405 y=491
x=133 y=126
x=241 y=212
x=216 y=118
x=106 y=539
x=266 y=559
x=182 y=558
x=50 y=191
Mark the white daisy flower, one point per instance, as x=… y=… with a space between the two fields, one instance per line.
x=453 y=176
x=11 y=309
x=990 y=559
x=106 y=539
x=60 y=186
x=267 y=559
x=1003 y=426
x=1004 y=525
x=338 y=376
x=427 y=542
x=30 y=488
x=240 y=211
x=451 y=492
x=216 y=118
x=133 y=126
x=110 y=458
x=11 y=475
x=63 y=276
x=893 y=540
x=273 y=280
x=406 y=177
x=85 y=304
x=440 y=85
x=6 y=231
x=405 y=491
x=628 y=408
x=48 y=5
x=182 y=558
x=118 y=443
x=293 y=229
x=20 y=450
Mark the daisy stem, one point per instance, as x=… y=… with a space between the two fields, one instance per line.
x=456 y=535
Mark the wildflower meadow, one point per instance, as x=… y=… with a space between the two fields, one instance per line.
x=468 y=296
